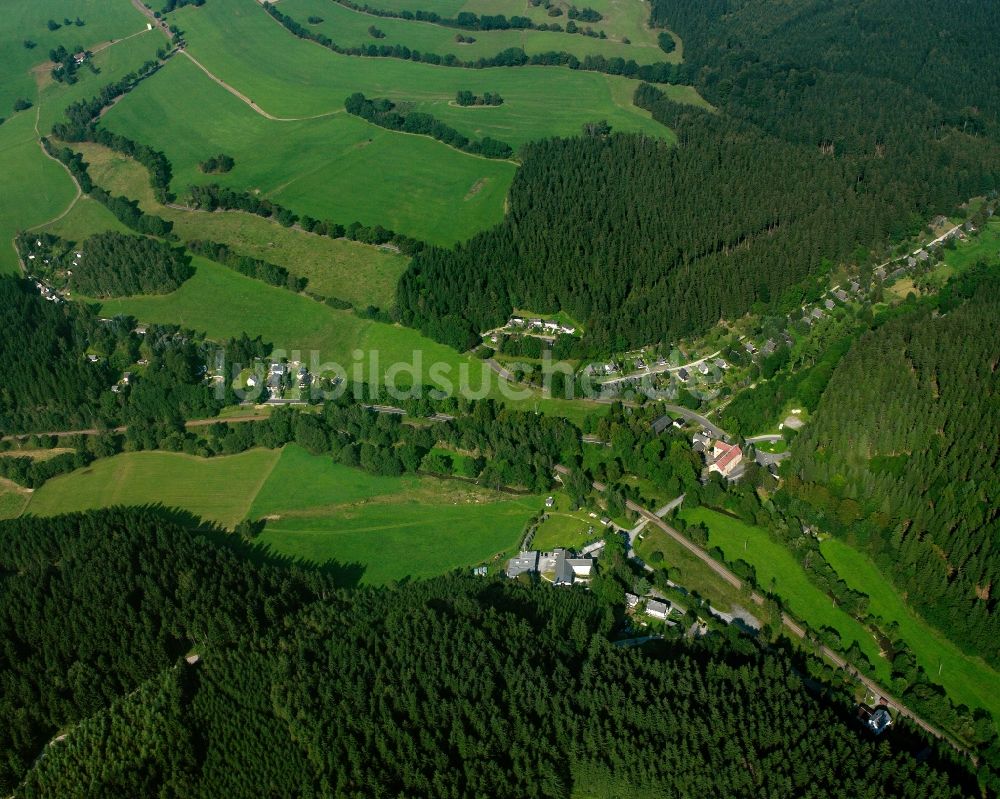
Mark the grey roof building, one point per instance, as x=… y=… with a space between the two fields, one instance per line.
x=564 y=570
x=525 y=563
x=657 y=609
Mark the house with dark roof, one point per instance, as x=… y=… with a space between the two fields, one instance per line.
x=876 y=719
x=563 y=573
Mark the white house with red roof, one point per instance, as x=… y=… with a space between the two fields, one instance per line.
x=725 y=458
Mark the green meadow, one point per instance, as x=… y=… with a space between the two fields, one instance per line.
x=967 y=680
x=27 y=19
x=337 y=167
x=12 y=500
x=303 y=482
x=112 y=62
x=349 y=28
x=217 y=489
x=224 y=304
x=779 y=573
x=231 y=37
x=621 y=18
x=33 y=187
x=86 y=217
x=395 y=527
x=359 y=273
x=565 y=527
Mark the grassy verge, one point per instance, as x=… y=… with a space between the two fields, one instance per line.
x=967 y=680
x=778 y=572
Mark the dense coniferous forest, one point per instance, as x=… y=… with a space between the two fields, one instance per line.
x=902 y=457
x=116 y=265
x=60 y=361
x=451 y=687
x=644 y=242
x=814 y=153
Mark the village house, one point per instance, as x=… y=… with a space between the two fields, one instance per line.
x=817 y=314
x=829 y=304
x=703 y=368
x=721 y=363
x=631 y=600
x=657 y=609
x=725 y=458
x=855 y=287
x=550 y=501
x=769 y=348
x=876 y=719
x=683 y=375
x=841 y=295
x=700 y=443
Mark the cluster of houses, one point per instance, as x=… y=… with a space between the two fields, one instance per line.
x=48 y=292
x=281 y=376
x=548 y=326
x=560 y=566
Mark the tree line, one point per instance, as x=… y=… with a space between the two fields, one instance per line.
x=212 y=197
x=250 y=267
x=660 y=72
x=125 y=210
x=400 y=117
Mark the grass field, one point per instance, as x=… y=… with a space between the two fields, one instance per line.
x=394 y=527
x=26 y=19
x=33 y=187
x=350 y=29
x=337 y=167
x=223 y=304
x=304 y=482
x=316 y=510
x=13 y=500
x=112 y=62
x=690 y=572
x=984 y=246
x=359 y=273
x=86 y=218
x=231 y=36
x=565 y=527
x=622 y=18
x=780 y=573
x=967 y=680
x=217 y=489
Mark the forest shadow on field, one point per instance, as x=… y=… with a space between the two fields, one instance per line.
x=346 y=575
